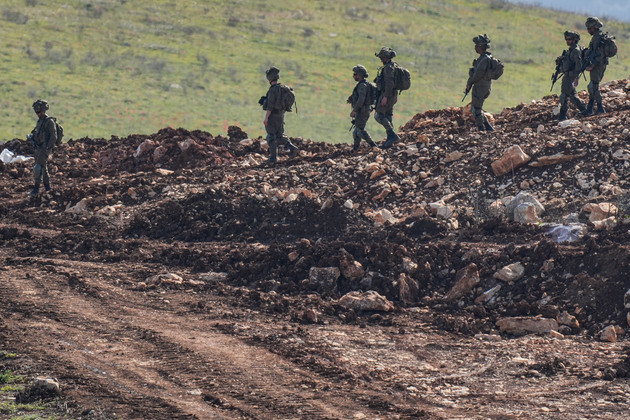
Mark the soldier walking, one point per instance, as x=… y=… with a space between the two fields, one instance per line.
x=274 y=118
x=388 y=96
x=595 y=65
x=480 y=81
x=570 y=64
x=44 y=139
x=361 y=103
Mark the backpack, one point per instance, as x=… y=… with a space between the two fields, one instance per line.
x=287 y=99
x=496 y=68
x=609 y=45
x=59 y=131
x=402 y=78
x=372 y=94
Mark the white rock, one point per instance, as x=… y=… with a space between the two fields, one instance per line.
x=569 y=123
x=366 y=301
x=168 y=278
x=510 y=273
x=626 y=300
x=214 y=276
x=79 y=208
x=348 y=204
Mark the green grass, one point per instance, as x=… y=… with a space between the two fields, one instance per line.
x=116 y=67
x=8 y=377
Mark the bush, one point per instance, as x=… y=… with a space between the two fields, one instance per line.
x=14 y=17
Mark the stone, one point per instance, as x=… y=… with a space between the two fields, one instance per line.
x=465 y=280
x=600 y=211
x=521 y=198
x=293 y=255
x=510 y=273
x=377 y=173
x=621 y=154
x=525 y=325
x=164 y=279
x=162 y=171
x=526 y=214
x=47 y=386
x=628 y=318
x=608 y=334
x=214 y=276
x=350 y=269
x=453 y=156
x=487 y=295
x=605 y=224
x=325 y=277
x=348 y=204
x=366 y=301
x=555 y=334
x=310 y=316
x=569 y=123
x=144 y=147
x=79 y=208
x=187 y=144
x=626 y=300
x=408 y=265
x=407 y=289
x=564 y=318
x=554 y=159
x=512 y=159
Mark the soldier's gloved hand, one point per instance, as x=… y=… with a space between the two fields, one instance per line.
x=558 y=60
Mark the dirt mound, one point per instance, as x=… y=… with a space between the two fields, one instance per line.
x=429 y=224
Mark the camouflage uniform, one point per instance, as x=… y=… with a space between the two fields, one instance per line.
x=360 y=100
x=44 y=137
x=570 y=63
x=480 y=82
x=598 y=63
x=385 y=83
x=275 y=120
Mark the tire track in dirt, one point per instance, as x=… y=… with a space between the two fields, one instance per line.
x=158 y=361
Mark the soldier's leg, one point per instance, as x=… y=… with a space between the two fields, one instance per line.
x=41 y=158
x=356 y=137
x=273 y=148
x=564 y=107
x=360 y=122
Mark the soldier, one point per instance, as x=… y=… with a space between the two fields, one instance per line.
x=570 y=63
x=480 y=82
x=361 y=102
x=595 y=65
x=274 y=118
x=44 y=139
x=388 y=96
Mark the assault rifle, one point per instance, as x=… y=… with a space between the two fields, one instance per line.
x=554 y=77
x=589 y=61
x=465 y=94
x=352 y=126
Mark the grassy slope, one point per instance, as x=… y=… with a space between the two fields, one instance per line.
x=116 y=67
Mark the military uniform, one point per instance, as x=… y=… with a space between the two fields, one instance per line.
x=570 y=63
x=599 y=62
x=275 y=120
x=481 y=87
x=385 y=81
x=44 y=137
x=361 y=102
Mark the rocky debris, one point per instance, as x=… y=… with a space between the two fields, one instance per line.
x=611 y=333
x=564 y=318
x=512 y=159
x=167 y=279
x=527 y=325
x=465 y=280
x=366 y=301
x=42 y=388
x=510 y=273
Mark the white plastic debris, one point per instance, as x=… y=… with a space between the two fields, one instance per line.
x=8 y=156
x=565 y=233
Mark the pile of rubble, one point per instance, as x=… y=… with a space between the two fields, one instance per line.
x=521 y=229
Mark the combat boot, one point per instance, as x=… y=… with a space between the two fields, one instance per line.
x=582 y=108
x=562 y=115
x=35 y=191
x=589 y=109
x=488 y=127
x=391 y=139
x=293 y=151
x=600 y=109
x=368 y=139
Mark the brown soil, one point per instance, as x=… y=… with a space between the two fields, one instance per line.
x=77 y=302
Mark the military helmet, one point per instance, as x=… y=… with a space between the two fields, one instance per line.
x=571 y=34
x=593 y=22
x=273 y=73
x=386 y=52
x=40 y=105
x=482 y=40
x=359 y=69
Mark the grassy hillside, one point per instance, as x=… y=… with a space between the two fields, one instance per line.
x=115 y=67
